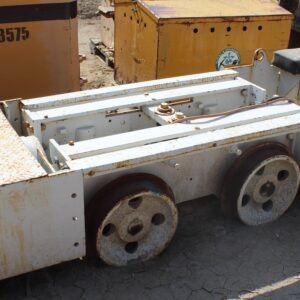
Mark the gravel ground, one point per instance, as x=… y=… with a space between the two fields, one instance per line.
x=93 y=68
x=87 y=8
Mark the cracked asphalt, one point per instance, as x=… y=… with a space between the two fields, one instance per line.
x=211 y=257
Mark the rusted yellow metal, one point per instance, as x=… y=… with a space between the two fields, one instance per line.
x=39 y=48
x=165 y=38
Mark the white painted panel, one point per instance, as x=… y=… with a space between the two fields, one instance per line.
x=41 y=223
x=79 y=110
x=128 y=89
x=138 y=156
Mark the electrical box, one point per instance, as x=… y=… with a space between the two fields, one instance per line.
x=39 y=48
x=165 y=38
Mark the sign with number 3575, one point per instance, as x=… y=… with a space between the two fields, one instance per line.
x=16 y=34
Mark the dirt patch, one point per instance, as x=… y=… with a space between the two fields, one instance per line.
x=87 y=8
x=97 y=73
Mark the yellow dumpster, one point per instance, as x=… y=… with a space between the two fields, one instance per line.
x=38 y=48
x=164 y=38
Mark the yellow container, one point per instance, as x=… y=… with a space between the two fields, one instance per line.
x=164 y=38
x=38 y=48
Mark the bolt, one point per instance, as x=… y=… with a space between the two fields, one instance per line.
x=164 y=108
x=164 y=105
x=179 y=115
x=174 y=164
x=234 y=149
x=71 y=143
x=46 y=116
x=177 y=166
x=290 y=136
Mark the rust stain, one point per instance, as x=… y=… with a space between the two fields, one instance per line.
x=4 y=262
x=91 y=173
x=22 y=254
x=123 y=164
x=137 y=60
x=43 y=126
x=16 y=201
x=26 y=124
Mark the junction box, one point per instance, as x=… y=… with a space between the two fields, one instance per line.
x=39 y=48
x=165 y=38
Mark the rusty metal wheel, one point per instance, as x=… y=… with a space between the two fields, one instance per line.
x=132 y=219
x=261 y=185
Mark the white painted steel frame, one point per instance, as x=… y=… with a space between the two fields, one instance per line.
x=61 y=119
x=197 y=139
x=42 y=219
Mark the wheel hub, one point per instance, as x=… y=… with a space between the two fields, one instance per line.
x=134 y=227
x=268 y=190
x=262 y=187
